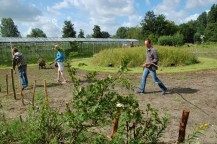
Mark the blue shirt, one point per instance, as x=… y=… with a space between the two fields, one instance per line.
x=59 y=57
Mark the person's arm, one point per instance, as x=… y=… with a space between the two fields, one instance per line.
x=57 y=56
x=155 y=55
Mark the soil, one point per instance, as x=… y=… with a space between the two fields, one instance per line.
x=194 y=91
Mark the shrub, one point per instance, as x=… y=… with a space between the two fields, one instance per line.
x=136 y=56
x=176 y=40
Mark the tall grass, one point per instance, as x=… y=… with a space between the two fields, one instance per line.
x=136 y=56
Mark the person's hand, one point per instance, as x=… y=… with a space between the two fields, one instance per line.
x=147 y=65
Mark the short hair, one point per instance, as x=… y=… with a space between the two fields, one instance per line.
x=148 y=40
x=15 y=50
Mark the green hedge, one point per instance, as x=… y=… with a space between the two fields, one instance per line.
x=176 y=40
x=136 y=57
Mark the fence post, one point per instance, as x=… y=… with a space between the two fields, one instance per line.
x=33 y=94
x=13 y=87
x=182 y=126
x=116 y=119
x=7 y=84
x=45 y=92
x=22 y=97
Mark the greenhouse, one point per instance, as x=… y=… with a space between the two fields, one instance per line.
x=35 y=48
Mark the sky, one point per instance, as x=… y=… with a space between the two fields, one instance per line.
x=49 y=15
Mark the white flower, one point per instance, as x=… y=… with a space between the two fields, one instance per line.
x=119 y=105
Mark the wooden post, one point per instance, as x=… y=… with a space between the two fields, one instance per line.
x=7 y=84
x=182 y=127
x=127 y=127
x=21 y=119
x=68 y=108
x=13 y=87
x=22 y=96
x=33 y=94
x=115 y=123
x=45 y=91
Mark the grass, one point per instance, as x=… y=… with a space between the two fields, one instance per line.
x=205 y=63
x=206 y=53
x=168 y=56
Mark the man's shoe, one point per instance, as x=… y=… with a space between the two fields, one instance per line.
x=24 y=88
x=64 y=82
x=140 y=92
x=163 y=92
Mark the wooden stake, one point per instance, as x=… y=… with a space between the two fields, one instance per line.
x=33 y=94
x=13 y=86
x=21 y=119
x=182 y=127
x=68 y=108
x=127 y=127
x=22 y=97
x=45 y=91
x=7 y=84
x=115 y=123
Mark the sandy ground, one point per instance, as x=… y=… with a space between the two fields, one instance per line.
x=195 y=91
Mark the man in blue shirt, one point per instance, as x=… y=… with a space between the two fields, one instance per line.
x=59 y=59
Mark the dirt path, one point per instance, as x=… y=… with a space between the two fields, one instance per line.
x=196 y=92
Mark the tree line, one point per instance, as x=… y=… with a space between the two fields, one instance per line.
x=155 y=26
x=9 y=29
x=152 y=26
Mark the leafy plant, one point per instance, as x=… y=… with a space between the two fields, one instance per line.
x=199 y=130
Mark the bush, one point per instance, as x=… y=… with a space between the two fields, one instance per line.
x=176 y=40
x=136 y=56
x=87 y=117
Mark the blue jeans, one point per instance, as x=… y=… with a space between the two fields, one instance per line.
x=154 y=77
x=23 y=75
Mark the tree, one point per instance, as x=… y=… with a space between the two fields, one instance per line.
x=157 y=25
x=68 y=30
x=105 y=34
x=97 y=32
x=202 y=19
x=8 y=28
x=134 y=33
x=211 y=32
x=88 y=36
x=212 y=15
x=121 y=32
x=36 y=32
x=81 y=34
x=188 y=30
x=149 y=24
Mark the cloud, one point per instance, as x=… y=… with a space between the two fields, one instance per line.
x=170 y=10
x=18 y=11
x=198 y=3
x=191 y=17
x=105 y=13
x=147 y=2
x=47 y=24
x=133 y=20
